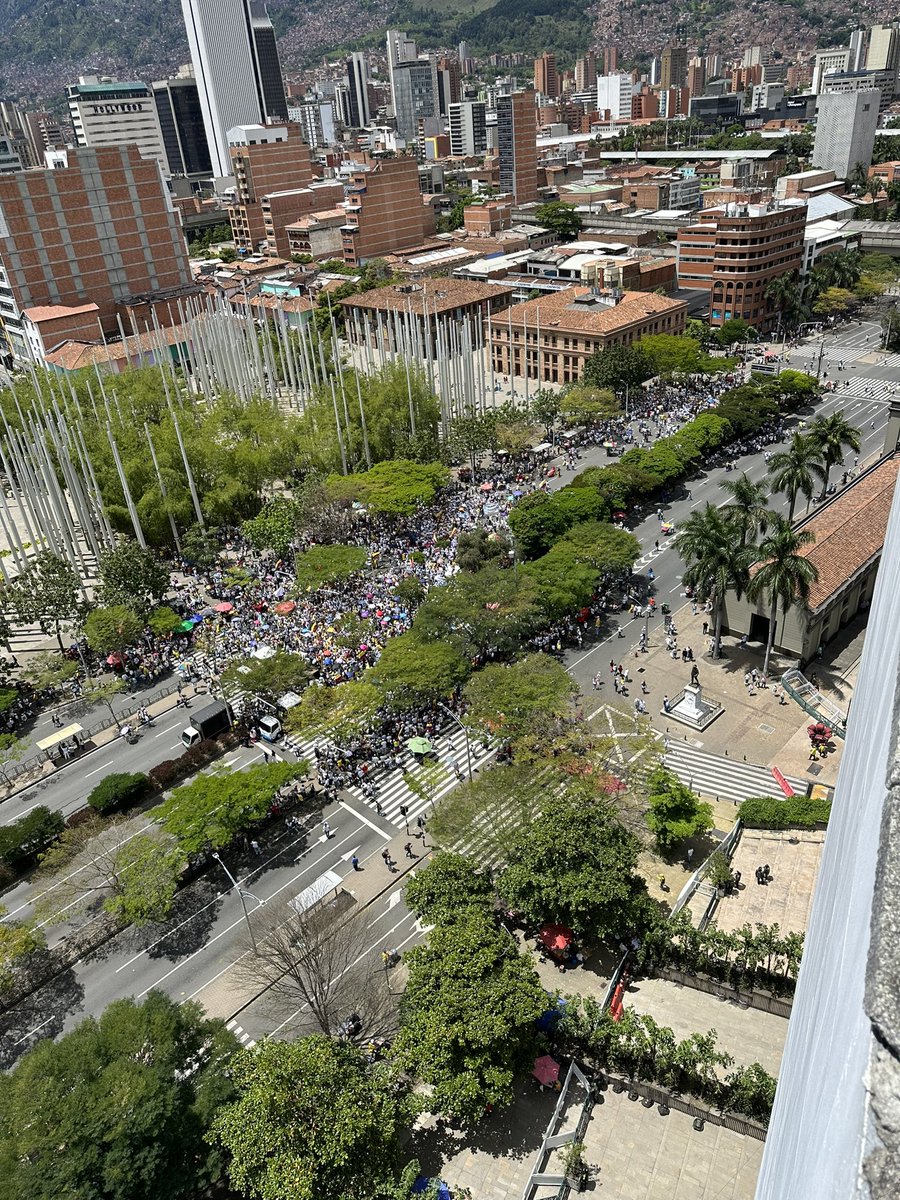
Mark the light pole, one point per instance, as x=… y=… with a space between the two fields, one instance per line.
x=453 y=717
x=242 y=893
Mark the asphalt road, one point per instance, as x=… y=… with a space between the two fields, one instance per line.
x=207 y=933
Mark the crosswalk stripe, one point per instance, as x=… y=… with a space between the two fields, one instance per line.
x=722 y=778
x=392 y=790
x=242 y=1036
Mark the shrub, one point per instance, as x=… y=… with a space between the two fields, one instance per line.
x=24 y=839
x=119 y=790
x=797 y=812
x=164 y=773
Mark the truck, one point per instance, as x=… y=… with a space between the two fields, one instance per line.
x=206 y=723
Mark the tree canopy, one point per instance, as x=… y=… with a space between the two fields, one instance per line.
x=411 y=671
x=132 y=577
x=514 y=698
x=118 y=1107
x=312 y=1120
x=320 y=566
x=113 y=629
x=268 y=678
x=341 y=712
x=446 y=888
x=676 y=813
x=396 y=488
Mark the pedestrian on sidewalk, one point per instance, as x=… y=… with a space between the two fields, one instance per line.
x=420 y=824
x=409 y=850
x=354 y=863
x=388 y=861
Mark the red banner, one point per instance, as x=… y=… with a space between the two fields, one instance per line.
x=782 y=782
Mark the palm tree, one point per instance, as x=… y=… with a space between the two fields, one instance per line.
x=748 y=511
x=833 y=435
x=795 y=470
x=714 y=564
x=842 y=268
x=784 y=293
x=783 y=573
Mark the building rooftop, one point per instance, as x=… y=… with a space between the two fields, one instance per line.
x=439 y=295
x=54 y=312
x=583 y=309
x=850 y=530
x=73 y=356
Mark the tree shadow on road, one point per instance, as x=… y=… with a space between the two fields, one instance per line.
x=40 y=1015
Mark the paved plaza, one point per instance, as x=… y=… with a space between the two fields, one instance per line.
x=793 y=858
x=747 y=1034
x=642 y=1155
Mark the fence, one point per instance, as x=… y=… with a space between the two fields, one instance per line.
x=551 y=1140
x=779 y=1006
x=13 y=771
x=652 y=1093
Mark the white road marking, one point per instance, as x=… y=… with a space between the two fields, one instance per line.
x=365 y=820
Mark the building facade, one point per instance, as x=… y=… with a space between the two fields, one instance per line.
x=415 y=95
x=673 y=67
x=546 y=78
x=236 y=67
x=734 y=252
x=517 y=146
x=181 y=124
x=358 y=112
x=845 y=130
x=99 y=229
x=111 y=112
x=550 y=338
x=384 y=210
x=468 y=128
x=614 y=94
x=265 y=160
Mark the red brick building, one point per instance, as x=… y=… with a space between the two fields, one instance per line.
x=385 y=210
x=100 y=230
x=266 y=159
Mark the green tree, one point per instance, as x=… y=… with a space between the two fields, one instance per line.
x=783 y=574
x=514 y=698
x=748 y=509
x=618 y=368
x=342 y=712
x=545 y=408
x=200 y=546
x=562 y=219
x=490 y=609
x=537 y=521
x=576 y=864
x=794 y=471
x=833 y=301
x=487 y=813
x=833 y=435
x=476 y=548
x=132 y=577
x=48 y=592
x=211 y=810
x=321 y=566
x=734 y=331
x=784 y=293
x=112 y=629
x=18 y=941
x=471 y=435
x=268 y=678
x=676 y=813
x=613 y=552
x=446 y=888
x=12 y=749
x=274 y=528
x=411 y=671
x=714 y=564
x=468 y=1016
x=118 y=1107
x=395 y=488
x=312 y=1120
x=163 y=621
x=565 y=582
x=678 y=354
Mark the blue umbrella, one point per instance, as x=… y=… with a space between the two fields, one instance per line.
x=197 y=618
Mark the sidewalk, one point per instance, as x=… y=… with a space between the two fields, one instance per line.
x=227 y=994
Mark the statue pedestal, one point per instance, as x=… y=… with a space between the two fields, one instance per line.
x=690 y=707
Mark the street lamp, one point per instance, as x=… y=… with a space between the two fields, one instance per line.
x=242 y=894
x=453 y=717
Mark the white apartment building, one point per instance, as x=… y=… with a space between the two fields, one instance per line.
x=114 y=112
x=614 y=93
x=468 y=128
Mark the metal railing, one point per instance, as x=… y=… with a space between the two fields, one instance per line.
x=813 y=703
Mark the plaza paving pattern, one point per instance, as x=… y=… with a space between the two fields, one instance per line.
x=793 y=858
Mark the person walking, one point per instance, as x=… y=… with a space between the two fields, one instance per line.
x=354 y=863
x=408 y=850
x=326 y=829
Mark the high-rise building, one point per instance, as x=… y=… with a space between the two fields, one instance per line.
x=713 y=64
x=113 y=112
x=884 y=48
x=673 y=67
x=414 y=93
x=237 y=70
x=358 y=91
x=610 y=60
x=845 y=130
x=517 y=146
x=181 y=122
x=546 y=78
x=837 y=58
x=735 y=252
x=265 y=159
x=316 y=120
x=449 y=81
x=614 y=95
x=468 y=128
x=85 y=237
x=696 y=76
x=857 y=49
x=586 y=72
x=385 y=210
x=862 y=81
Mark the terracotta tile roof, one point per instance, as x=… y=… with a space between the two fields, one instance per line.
x=850 y=530
x=71 y=356
x=53 y=312
x=559 y=308
x=285 y=303
x=439 y=294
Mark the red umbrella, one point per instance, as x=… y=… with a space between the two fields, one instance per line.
x=546 y=1070
x=556 y=938
x=224 y=607
x=114 y=660
x=285 y=607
